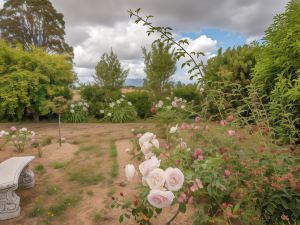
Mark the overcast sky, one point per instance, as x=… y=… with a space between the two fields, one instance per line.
x=95 y=26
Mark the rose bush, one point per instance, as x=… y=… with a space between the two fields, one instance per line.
x=232 y=176
x=19 y=138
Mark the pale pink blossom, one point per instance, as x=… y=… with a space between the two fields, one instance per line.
x=183 y=145
x=227 y=173
x=160 y=199
x=13 y=129
x=156 y=179
x=149 y=165
x=222 y=123
x=231 y=133
x=174 y=179
x=182 y=198
x=197 y=119
x=207 y=128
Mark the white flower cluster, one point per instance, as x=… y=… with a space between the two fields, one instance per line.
x=112 y=105
x=80 y=105
x=178 y=102
x=3 y=133
x=161 y=182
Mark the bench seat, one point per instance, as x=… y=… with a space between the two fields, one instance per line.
x=14 y=173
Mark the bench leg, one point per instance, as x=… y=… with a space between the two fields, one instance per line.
x=26 y=179
x=9 y=203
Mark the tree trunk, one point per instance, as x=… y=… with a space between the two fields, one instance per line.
x=59 y=130
x=36 y=116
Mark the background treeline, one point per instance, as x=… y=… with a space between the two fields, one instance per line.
x=258 y=83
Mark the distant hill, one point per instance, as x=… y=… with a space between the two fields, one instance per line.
x=134 y=82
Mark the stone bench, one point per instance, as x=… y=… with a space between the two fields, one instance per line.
x=14 y=173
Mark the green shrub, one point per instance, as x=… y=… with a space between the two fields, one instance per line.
x=188 y=92
x=97 y=97
x=120 y=111
x=142 y=101
x=77 y=112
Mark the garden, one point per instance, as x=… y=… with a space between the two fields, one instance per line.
x=223 y=150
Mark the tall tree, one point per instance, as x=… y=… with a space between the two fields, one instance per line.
x=109 y=72
x=34 y=23
x=160 y=65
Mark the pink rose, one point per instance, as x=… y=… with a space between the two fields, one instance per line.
x=13 y=129
x=207 y=128
x=197 y=153
x=230 y=118
x=160 y=199
x=182 y=198
x=149 y=165
x=200 y=157
x=139 y=135
x=227 y=173
x=174 y=179
x=231 y=133
x=156 y=179
x=183 y=145
x=222 y=123
x=146 y=137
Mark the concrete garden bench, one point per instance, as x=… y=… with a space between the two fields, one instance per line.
x=14 y=173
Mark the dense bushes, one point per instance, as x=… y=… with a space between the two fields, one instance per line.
x=97 y=97
x=277 y=73
x=29 y=80
x=187 y=92
x=142 y=101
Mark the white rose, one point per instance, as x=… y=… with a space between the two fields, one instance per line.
x=129 y=171
x=160 y=199
x=146 y=137
x=109 y=114
x=174 y=179
x=118 y=101
x=23 y=129
x=156 y=179
x=149 y=165
x=173 y=129
x=129 y=103
x=146 y=148
x=102 y=111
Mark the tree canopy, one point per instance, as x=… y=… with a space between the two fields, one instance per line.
x=29 y=80
x=109 y=72
x=34 y=23
x=160 y=65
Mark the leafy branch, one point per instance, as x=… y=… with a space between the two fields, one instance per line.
x=167 y=37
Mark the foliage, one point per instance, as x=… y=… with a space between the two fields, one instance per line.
x=109 y=73
x=142 y=101
x=34 y=23
x=235 y=65
x=77 y=112
x=30 y=80
x=98 y=97
x=160 y=65
x=187 y=92
x=20 y=138
x=231 y=177
x=120 y=111
x=277 y=72
x=166 y=37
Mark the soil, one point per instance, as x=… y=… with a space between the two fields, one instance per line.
x=87 y=147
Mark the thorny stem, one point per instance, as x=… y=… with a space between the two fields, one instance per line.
x=174 y=217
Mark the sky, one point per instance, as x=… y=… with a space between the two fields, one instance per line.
x=93 y=27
